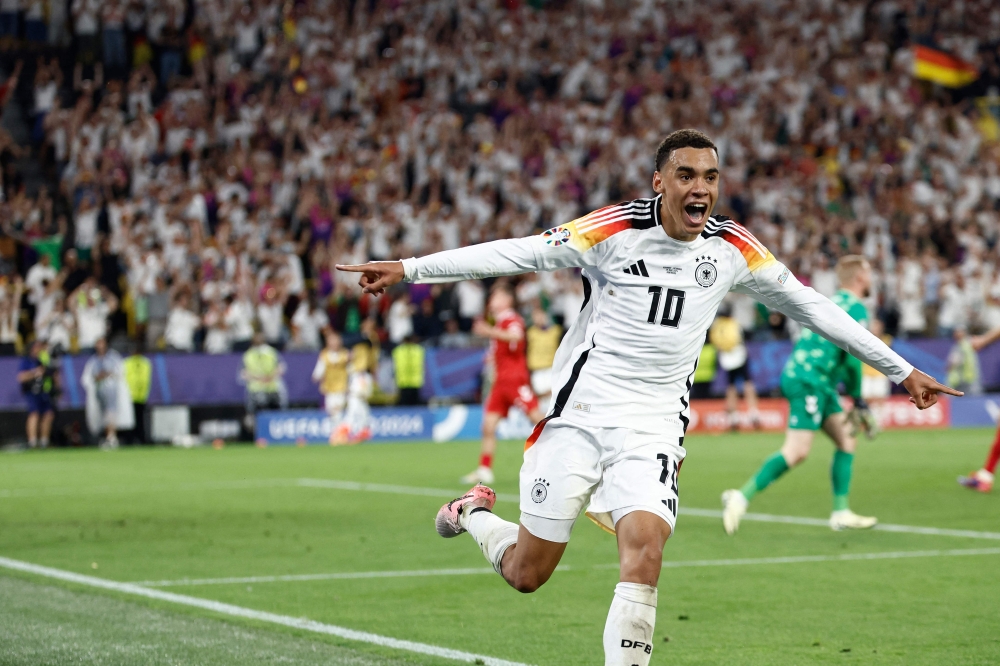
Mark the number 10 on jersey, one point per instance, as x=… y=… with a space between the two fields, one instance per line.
x=672 y=309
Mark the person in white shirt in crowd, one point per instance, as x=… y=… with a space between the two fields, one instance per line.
x=216 y=331
x=239 y=317
x=399 y=320
x=38 y=277
x=308 y=323
x=57 y=328
x=471 y=297
x=10 y=303
x=91 y=305
x=182 y=324
x=270 y=315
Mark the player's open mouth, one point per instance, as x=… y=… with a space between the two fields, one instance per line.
x=696 y=211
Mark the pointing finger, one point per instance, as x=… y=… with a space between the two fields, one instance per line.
x=941 y=388
x=353 y=268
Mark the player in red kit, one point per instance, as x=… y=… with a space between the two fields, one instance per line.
x=982 y=479
x=511 y=378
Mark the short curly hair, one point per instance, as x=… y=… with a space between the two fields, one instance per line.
x=684 y=138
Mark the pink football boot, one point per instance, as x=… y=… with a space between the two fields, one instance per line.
x=447 y=522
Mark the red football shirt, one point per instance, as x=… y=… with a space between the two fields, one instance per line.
x=510 y=358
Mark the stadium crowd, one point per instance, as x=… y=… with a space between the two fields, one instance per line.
x=208 y=162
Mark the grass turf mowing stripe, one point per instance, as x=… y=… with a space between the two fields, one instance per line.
x=250 y=614
x=446 y=493
x=689 y=511
x=680 y=564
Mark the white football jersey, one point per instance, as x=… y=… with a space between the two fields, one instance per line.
x=629 y=358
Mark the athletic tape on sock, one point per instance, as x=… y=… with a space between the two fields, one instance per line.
x=637 y=592
x=493 y=534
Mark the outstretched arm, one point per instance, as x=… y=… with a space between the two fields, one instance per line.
x=979 y=342
x=493 y=259
x=776 y=287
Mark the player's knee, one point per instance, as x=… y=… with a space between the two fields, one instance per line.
x=526 y=581
x=796 y=458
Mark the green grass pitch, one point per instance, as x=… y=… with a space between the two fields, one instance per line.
x=166 y=515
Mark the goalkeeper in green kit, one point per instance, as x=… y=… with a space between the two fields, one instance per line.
x=809 y=382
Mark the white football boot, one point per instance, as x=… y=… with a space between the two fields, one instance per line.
x=848 y=520
x=734 y=507
x=481 y=474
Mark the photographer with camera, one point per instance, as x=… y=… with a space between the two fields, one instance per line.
x=37 y=376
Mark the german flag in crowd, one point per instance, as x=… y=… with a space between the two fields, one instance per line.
x=943 y=68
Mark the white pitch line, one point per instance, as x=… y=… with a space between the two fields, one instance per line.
x=679 y=564
x=350 y=575
x=250 y=614
x=60 y=491
x=689 y=511
x=820 y=522
x=392 y=489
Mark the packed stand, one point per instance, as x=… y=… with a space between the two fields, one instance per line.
x=206 y=164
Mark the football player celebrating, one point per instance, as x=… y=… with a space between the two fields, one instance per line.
x=809 y=382
x=511 y=379
x=655 y=271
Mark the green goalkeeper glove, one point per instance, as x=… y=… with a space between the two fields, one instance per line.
x=862 y=419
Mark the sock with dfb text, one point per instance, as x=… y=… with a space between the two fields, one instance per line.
x=493 y=534
x=628 y=634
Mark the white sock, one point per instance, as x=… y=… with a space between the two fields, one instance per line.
x=628 y=635
x=493 y=534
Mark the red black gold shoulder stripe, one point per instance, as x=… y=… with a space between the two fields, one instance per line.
x=753 y=251
x=602 y=224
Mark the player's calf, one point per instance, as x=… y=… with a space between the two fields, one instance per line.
x=528 y=564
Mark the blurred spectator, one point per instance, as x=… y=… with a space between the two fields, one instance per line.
x=471 y=297
x=138 y=376
x=704 y=374
x=726 y=336
x=182 y=324
x=39 y=381
x=307 y=323
x=399 y=320
x=91 y=306
x=10 y=311
x=543 y=339
x=109 y=401
x=453 y=337
x=963 y=365
x=262 y=373
x=426 y=322
x=408 y=362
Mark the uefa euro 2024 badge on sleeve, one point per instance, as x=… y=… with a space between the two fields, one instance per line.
x=557 y=236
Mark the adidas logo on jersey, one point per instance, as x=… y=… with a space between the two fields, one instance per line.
x=638 y=268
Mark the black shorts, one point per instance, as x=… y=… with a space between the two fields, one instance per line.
x=742 y=372
x=701 y=391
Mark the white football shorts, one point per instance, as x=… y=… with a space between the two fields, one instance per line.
x=616 y=470
x=541 y=381
x=334 y=403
